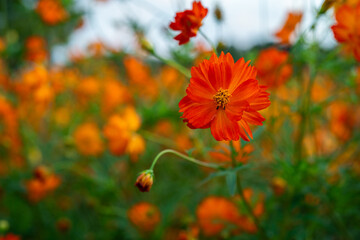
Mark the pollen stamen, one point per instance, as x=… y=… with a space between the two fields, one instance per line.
x=222 y=98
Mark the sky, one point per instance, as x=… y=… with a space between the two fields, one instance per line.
x=246 y=23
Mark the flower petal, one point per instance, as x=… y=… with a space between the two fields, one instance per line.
x=197 y=114
x=222 y=128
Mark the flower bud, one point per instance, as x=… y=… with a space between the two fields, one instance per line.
x=218 y=14
x=145 y=181
x=326 y=5
x=146 y=45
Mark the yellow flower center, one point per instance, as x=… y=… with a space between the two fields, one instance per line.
x=221 y=98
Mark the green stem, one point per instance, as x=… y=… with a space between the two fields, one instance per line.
x=304 y=112
x=249 y=208
x=183 y=156
x=242 y=196
x=209 y=41
x=158 y=139
x=174 y=64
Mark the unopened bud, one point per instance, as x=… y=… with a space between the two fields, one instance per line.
x=218 y=13
x=146 y=45
x=145 y=181
x=326 y=5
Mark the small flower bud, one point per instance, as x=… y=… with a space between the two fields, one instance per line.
x=218 y=13
x=145 y=181
x=326 y=5
x=146 y=45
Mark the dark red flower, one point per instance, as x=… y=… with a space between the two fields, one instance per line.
x=188 y=22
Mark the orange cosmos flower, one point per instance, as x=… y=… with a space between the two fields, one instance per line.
x=285 y=32
x=188 y=22
x=272 y=67
x=224 y=96
x=144 y=216
x=347 y=29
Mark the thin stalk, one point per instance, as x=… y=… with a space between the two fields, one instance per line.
x=174 y=64
x=305 y=114
x=242 y=196
x=209 y=41
x=158 y=139
x=183 y=156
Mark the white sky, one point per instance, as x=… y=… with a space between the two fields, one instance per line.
x=246 y=23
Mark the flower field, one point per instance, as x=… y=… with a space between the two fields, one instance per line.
x=207 y=141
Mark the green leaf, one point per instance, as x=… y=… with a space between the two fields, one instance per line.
x=231 y=182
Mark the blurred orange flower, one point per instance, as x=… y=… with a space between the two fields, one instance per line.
x=36 y=49
x=214 y=214
x=188 y=22
x=43 y=183
x=141 y=81
x=171 y=79
x=10 y=236
x=2 y=44
x=144 y=216
x=135 y=147
x=87 y=89
x=62 y=116
x=88 y=140
x=273 y=67
x=117 y=133
x=10 y=138
x=114 y=94
x=224 y=96
x=97 y=49
x=284 y=34
x=120 y=133
x=347 y=29
x=343 y=118
x=51 y=11
x=164 y=128
x=222 y=153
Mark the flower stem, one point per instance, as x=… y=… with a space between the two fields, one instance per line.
x=173 y=64
x=242 y=196
x=209 y=41
x=183 y=156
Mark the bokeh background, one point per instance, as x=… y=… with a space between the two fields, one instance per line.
x=89 y=95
